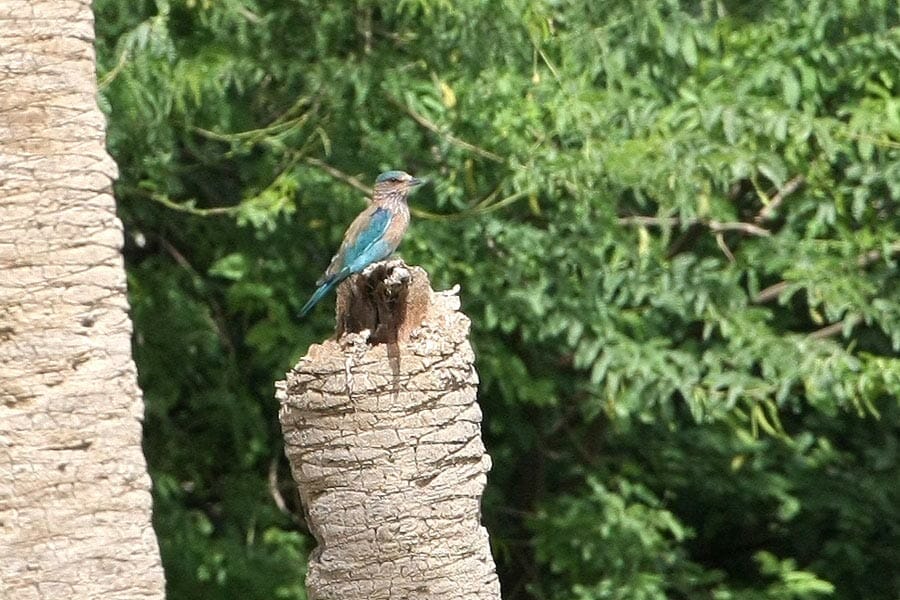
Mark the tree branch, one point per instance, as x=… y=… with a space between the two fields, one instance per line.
x=712 y=224
x=872 y=256
x=720 y=240
x=862 y=261
x=340 y=175
x=421 y=120
x=791 y=186
x=827 y=331
x=484 y=206
x=747 y=228
x=770 y=293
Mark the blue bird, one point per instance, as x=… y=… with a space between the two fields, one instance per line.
x=373 y=235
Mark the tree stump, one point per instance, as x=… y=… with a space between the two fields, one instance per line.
x=383 y=435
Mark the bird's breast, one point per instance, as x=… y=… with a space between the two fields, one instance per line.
x=399 y=224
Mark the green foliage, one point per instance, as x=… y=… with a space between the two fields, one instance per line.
x=675 y=227
x=611 y=545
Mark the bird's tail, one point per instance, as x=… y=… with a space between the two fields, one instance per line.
x=318 y=295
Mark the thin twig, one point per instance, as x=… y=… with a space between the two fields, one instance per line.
x=253 y=135
x=280 y=124
x=747 y=228
x=714 y=226
x=448 y=136
x=872 y=256
x=121 y=63
x=340 y=175
x=770 y=293
x=480 y=208
x=827 y=331
x=720 y=240
x=649 y=221
x=550 y=66
x=218 y=315
x=775 y=201
x=188 y=207
x=276 y=494
x=863 y=260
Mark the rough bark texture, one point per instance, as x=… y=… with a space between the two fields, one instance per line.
x=384 y=442
x=74 y=491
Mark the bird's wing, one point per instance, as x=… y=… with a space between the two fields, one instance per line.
x=363 y=234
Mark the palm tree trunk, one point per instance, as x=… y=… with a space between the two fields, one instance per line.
x=384 y=442
x=74 y=491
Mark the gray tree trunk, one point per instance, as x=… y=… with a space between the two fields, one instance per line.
x=384 y=440
x=74 y=491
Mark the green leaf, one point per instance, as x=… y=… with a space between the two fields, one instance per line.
x=231 y=266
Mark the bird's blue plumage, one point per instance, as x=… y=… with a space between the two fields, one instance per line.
x=355 y=254
x=372 y=236
x=365 y=249
x=390 y=175
x=318 y=295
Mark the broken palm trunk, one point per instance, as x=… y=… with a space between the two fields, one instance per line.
x=382 y=432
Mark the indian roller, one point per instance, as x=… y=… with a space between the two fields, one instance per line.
x=373 y=235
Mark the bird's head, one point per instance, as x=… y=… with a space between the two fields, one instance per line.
x=392 y=183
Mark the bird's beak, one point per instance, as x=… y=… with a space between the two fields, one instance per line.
x=415 y=181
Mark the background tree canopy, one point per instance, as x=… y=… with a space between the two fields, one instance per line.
x=675 y=224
